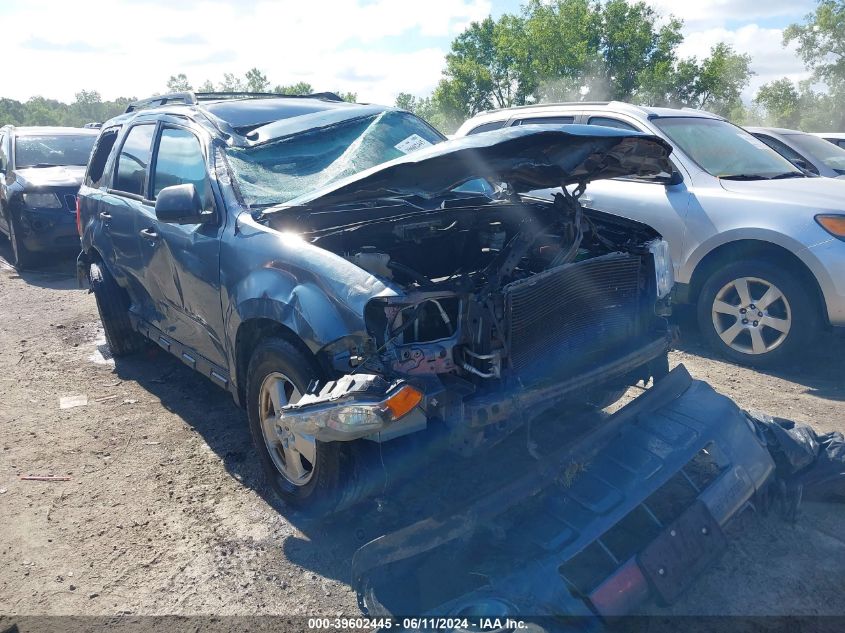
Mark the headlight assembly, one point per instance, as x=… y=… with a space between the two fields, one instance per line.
x=42 y=201
x=663 y=271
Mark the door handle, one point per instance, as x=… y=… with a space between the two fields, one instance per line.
x=148 y=234
x=104 y=216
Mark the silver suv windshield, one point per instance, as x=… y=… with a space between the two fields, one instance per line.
x=725 y=150
x=281 y=170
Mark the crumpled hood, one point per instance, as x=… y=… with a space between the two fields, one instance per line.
x=525 y=157
x=61 y=176
x=816 y=193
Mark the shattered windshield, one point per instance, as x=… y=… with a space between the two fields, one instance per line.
x=281 y=170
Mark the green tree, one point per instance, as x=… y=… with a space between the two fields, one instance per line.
x=821 y=45
x=256 y=81
x=206 y=86
x=178 y=83
x=722 y=77
x=781 y=103
x=351 y=97
x=231 y=83
x=299 y=88
x=821 y=40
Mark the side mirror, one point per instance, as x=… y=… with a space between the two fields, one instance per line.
x=181 y=204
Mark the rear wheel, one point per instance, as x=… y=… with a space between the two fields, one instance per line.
x=113 y=306
x=756 y=313
x=303 y=471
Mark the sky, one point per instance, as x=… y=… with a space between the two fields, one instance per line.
x=374 y=48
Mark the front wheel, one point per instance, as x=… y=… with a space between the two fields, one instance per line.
x=756 y=313
x=304 y=472
x=22 y=257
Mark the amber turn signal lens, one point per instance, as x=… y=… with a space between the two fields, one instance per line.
x=833 y=224
x=403 y=401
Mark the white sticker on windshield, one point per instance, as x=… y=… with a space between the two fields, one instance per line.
x=412 y=144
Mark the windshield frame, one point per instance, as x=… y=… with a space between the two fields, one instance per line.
x=18 y=137
x=788 y=167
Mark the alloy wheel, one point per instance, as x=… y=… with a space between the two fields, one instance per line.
x=751 y=315
x=293 y=454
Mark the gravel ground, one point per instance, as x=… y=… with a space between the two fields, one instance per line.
x=164 y=514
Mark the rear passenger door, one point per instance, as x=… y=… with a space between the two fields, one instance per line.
x=117 y=208
x=183 y=260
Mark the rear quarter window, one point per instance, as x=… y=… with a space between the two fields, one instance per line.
x=545 y=120
x=486 y=127
x=100 y=156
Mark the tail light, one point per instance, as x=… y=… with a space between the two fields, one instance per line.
x=78 y=217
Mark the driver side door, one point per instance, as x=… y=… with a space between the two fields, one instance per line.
x=183 y=260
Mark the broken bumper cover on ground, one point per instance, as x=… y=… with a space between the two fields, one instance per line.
x=639 y=517
x=367 y=405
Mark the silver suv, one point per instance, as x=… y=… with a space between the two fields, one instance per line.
x=757 y=245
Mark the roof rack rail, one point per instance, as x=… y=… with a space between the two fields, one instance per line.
x=186 y=98
x=193 y=98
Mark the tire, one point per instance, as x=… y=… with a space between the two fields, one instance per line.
x=113 y=306
x=757 y=313
x=312 y=481
x=22 y=257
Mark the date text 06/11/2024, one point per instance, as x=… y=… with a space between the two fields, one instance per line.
x=427 y=623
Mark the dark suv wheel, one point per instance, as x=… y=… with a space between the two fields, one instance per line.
x=757 y=313
x=304 y=472
x=22 y=257
x=113 y=306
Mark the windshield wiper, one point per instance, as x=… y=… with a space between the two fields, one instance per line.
x=789 y=174
x=743 y=177
x=40 y=165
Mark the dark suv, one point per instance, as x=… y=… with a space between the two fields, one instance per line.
x=349 y=274
x=41 y=169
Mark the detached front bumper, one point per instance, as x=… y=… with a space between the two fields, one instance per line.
x=630 y=510
x=366 y=405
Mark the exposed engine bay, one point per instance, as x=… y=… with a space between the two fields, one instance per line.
x=502 y=290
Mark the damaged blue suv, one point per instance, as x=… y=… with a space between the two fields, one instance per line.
x=351 y=276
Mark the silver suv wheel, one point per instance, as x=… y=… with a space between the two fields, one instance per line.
x=293 y=455
x=751 y=315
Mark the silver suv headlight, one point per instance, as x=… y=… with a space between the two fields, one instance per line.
x=663 y=271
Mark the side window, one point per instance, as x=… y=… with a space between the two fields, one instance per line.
x=180 y=161
x=609 y=122
x=486 y=127
x=546 y=120
x=100 y=156
x=130 y=176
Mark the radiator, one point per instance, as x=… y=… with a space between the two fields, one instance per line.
x=561 y=319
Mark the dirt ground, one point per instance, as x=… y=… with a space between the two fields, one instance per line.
x=164 y=513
